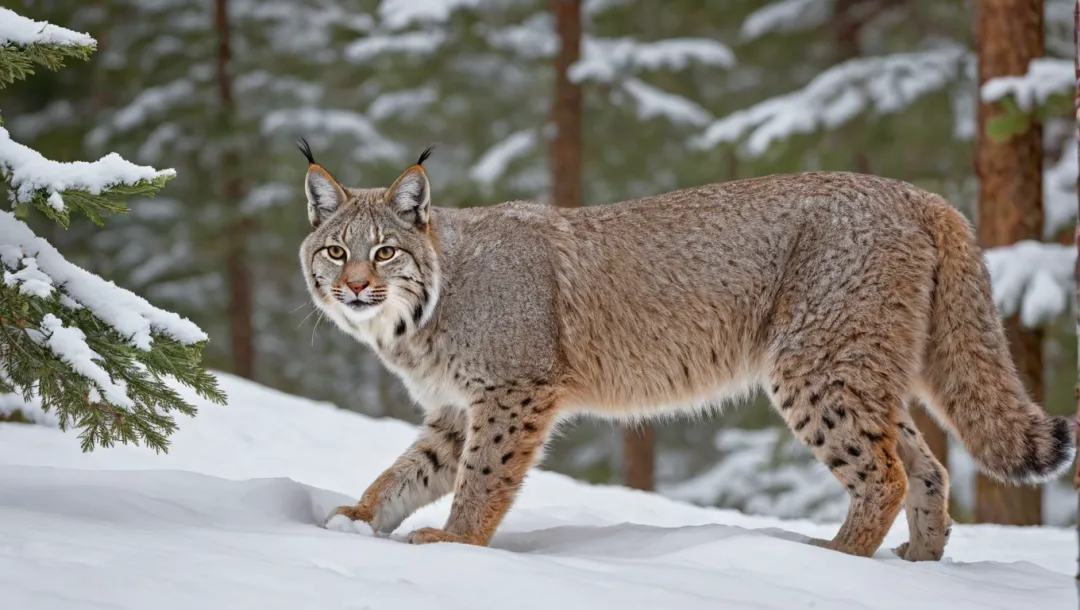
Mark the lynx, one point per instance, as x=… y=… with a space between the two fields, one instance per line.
x=843 y=297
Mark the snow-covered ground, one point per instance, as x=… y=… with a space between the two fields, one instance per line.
x=228 y=519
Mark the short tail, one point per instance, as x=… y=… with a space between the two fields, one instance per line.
x=970 y=373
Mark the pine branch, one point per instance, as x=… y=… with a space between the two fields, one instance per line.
x=17 y=62
x=30 y=368
x=94 y=207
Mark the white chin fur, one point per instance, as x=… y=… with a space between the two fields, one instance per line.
x=357 y=316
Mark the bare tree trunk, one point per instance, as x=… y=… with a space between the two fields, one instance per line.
x=639 y=457
x=565 y=151
x=565 y=157
x=1009 y=35
x=233 y=189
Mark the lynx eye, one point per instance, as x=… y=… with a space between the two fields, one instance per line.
x=384 y=254
x=335 y=252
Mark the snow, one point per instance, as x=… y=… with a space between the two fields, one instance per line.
x=230 y=518
x=69 y=344
x=398 y=14
x=653 y=102
x=152 y=101
x=592 y=8
x=534 y=38
x=493 y=163
x=341 y=523
x=372 y=145
x=1059 y=191
x=37 y=268
x=786 y=16
x=267 y=195
x=28 y=172
x=21 y=31
x=1046 y=76
x=403 y=103
x=373 y=46
x=1033 y=278
x=604 y=59
x=884 y=84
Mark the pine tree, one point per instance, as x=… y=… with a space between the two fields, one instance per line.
x=101 y=358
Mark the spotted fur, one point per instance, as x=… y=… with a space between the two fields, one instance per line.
x=842 y=296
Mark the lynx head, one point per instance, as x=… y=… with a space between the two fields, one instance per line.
x=370 y=258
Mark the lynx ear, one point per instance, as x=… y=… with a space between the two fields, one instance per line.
x=324 y=194
x=410 y=195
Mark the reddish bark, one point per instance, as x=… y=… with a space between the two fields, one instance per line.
x=233 y=189
x=1009 y=35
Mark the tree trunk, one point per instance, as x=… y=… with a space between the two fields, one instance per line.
x=639 y=457
x=565 y=151
x=1009 y=35
x=232 y=190
x=565 y=158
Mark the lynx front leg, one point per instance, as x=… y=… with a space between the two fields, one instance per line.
x=423 y=474
x=508 y=427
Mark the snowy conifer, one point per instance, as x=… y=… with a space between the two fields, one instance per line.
x=99 y=357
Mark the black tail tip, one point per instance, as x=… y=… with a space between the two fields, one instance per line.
x=1054 y=459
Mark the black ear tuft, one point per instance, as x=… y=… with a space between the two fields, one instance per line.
x=306 y=149
x=424 y=155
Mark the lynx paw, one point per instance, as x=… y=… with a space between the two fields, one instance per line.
x=342 y=521
x=912 y=552
x=428 y=535
x=922 y=548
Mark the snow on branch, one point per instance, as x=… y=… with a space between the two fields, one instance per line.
x=25 y=42
x=1046 y=76
x=399 y=14
x=534 y=38
x=38 y=269
x=372 y=46
x=653 y=102
x=31 y=175
x=884 y=84
x=20 y=31
x=148 y=104
x=1032 y=278
x=493 y=163
x=606 y=59
x=69 y=344
x=786 y=16
x=333 y=122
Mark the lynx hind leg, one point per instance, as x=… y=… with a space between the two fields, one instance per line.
x=927 y=501
x=422 y=474
x=844 y=416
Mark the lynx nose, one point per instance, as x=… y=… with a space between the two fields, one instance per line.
x=357 y=286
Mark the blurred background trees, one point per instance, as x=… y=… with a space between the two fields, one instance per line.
x=573 y=102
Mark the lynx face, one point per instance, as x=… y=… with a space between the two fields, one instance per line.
x=369 y=258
